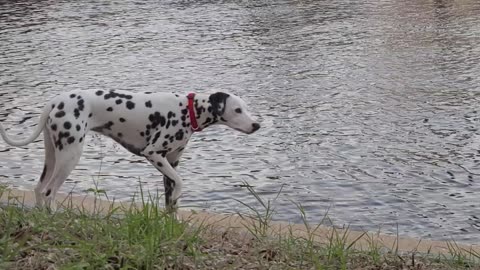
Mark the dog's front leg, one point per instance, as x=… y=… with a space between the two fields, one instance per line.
x=172 y=193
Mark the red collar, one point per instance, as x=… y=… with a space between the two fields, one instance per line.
x=191 y=112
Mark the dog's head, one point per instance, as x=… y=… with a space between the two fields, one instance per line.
x=233 y=112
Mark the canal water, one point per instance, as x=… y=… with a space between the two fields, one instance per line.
x=369 y=109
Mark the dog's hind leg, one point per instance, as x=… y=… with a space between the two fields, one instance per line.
x=48 y=168
x=66 y=158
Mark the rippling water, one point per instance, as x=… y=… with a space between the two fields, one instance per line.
x=368 y=108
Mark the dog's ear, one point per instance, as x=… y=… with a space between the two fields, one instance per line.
x=218 y=101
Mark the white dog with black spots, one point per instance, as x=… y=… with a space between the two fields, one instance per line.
x=156 y=126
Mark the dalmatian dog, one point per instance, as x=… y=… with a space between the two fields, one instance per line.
x=156 y=126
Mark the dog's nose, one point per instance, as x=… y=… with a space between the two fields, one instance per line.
x=256 y=126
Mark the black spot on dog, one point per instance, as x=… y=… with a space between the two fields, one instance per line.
x=218 y=102
x=78 y=127
x=43 y=173
x=80 y=104
x=168 y=124
x=165 y=143
x=70 y=140
x=60 y=114
x=166 y=136
x=150 y=153
x=147 y=93
x=109 y=109
x=174 y=123
x=184 y=111
x=121 y=119
x=120 y=135
x=48 y=192
x=76 y=113
x=159 y=164
x=118 y=101
x=81 y=139
x=109 y=125
x=61 y=106
x=72 y=95
x=179 y=135
x=130 y=105
x=170 y=115
x=199 y=110
x=142 y=134
x=53 y=106
x=155 y=138
x=108 y=96
x=90 y=115
x=53 y=127
x=180 y=104
x=79 y=97
x=148 y=104
x=99 y=93
x=147 y=132
x=162 y=152
x=67 y=125
x=128 y=96
x=63 y=135
x=157 y=119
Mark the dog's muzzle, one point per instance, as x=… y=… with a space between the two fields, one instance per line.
x=255 y=127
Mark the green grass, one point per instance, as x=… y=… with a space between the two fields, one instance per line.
x=133 y=238
x=143 y=236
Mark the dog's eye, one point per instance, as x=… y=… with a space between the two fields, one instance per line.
x=238 y=110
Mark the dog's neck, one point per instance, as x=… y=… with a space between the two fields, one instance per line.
x=204 y=112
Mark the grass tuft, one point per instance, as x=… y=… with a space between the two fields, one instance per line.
x=137 y=237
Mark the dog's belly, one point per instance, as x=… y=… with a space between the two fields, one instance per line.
x=136 y=142
x=135 y=145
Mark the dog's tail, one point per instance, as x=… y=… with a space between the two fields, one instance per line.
x=40 y=127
